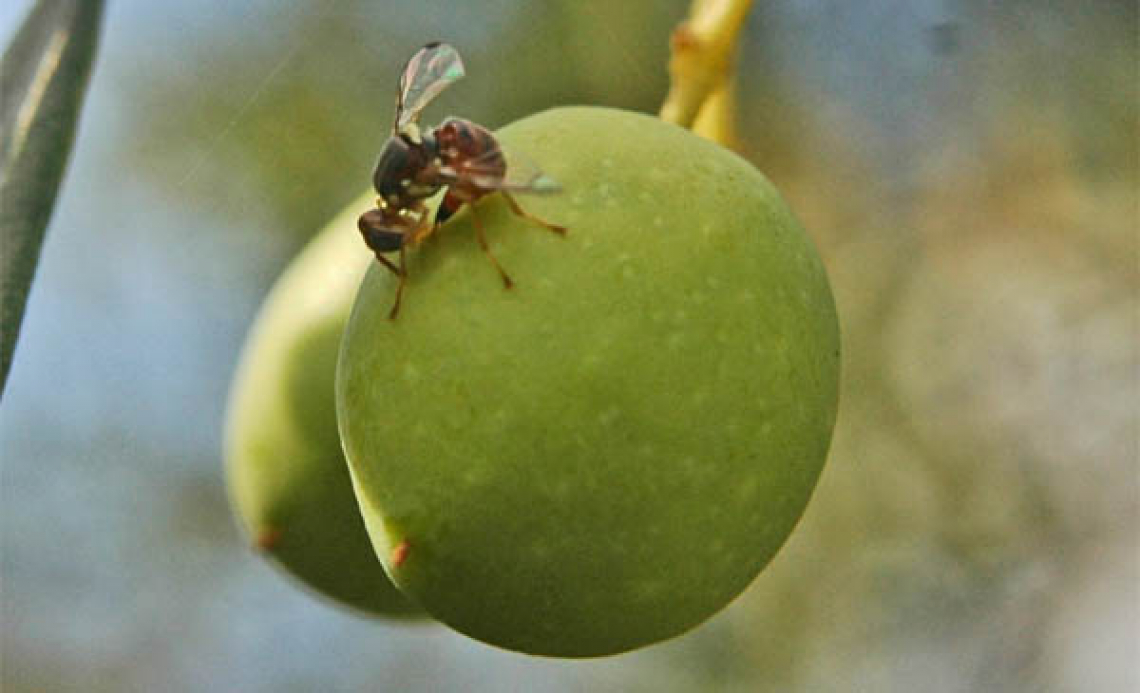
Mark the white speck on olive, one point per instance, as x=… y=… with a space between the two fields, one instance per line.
x=608 y=416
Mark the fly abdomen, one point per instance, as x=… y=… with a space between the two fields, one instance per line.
x=377 y=235
x=470 y=149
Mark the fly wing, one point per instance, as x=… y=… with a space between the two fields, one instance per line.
x=431 y=70
x=504 y=168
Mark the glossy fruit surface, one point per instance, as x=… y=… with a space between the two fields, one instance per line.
x=607 y=454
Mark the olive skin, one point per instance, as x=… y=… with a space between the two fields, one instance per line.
x=288 y=482
x=607 y=454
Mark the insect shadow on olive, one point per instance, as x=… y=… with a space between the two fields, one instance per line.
x=457 y=154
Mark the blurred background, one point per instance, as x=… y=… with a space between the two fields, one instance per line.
x=968 y=170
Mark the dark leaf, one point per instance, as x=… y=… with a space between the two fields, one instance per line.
x=43 y=75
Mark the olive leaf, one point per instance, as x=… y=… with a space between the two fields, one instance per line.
x=43 y=74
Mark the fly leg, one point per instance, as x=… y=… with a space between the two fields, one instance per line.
x=401 y=278
x=514 y=205
x=382 y=237
x=507 y=283
x=423 y=229
x=401 y=275
x=388 y=263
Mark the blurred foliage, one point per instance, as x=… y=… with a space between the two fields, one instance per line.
x=988 y=436
x=969 y=171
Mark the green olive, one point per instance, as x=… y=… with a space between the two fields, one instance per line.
x=608 y=453
x=288 y=480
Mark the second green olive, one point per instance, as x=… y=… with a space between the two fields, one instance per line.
x=287 y=476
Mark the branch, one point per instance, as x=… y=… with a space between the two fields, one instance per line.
x=703 y=48
x=716 y=119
